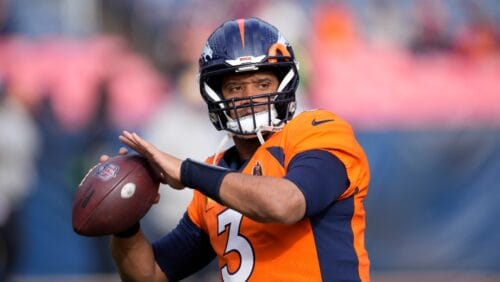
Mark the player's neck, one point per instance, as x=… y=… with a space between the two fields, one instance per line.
x=246 y=147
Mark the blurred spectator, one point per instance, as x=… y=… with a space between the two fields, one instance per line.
x=334 y=25
x=37 y=19
x=479 y=36
x=432 y=31
x=3 y=15
x=18 y=150
x=386 y=23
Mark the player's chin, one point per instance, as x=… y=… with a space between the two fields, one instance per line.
x=246 y=136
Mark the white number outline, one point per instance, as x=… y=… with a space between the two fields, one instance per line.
x=231 y=220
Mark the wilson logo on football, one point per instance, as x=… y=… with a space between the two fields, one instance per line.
x=107 y=171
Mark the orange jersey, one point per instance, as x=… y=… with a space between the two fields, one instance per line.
x=326 y=246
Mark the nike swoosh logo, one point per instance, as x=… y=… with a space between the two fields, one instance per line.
x=318 y=122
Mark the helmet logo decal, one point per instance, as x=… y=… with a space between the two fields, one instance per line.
x=275 y=48
x=241 y=26
x=257 y=169
x=207 y=52
x=246 y=60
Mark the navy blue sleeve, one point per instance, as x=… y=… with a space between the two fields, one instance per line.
x=321 y=177
x=183 y=251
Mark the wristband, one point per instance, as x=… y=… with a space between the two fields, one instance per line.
x=134 y=229
x=202 y=177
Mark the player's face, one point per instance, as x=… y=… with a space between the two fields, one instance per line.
x=246 y=85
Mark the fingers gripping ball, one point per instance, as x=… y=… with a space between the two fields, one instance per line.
x=114 y=195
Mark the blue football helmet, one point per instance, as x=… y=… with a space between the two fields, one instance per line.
x=248 y=45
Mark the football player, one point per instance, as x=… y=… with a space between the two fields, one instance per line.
x=285 y=203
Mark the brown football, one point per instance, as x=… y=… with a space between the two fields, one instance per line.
x=114 y=195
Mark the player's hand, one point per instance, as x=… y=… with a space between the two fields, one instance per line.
x=166 y=165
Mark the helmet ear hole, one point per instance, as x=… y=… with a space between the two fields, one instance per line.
x=216 y=84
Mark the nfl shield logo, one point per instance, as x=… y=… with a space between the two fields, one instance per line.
x=107 y=171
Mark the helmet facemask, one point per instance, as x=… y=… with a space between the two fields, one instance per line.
x=244 y=46
x=266 y=112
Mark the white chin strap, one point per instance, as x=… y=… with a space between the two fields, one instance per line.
x=262 y=123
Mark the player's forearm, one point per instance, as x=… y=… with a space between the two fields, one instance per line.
x=263 y=198
x=134 y=259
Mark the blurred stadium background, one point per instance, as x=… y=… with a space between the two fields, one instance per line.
x=418 y=79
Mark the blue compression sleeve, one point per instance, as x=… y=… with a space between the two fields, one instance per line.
x=183 y=251
x=321 y=177
x=203 y=177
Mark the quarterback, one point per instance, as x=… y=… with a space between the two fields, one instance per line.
x=285 y=203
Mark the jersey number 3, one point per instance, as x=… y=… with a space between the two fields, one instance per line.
x=231 y=220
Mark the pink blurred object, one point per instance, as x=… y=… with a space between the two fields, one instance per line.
x=135 y=89
x=388 y=88
x=71 y=72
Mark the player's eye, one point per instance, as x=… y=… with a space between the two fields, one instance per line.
x=264 y=85
x=233 y=89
